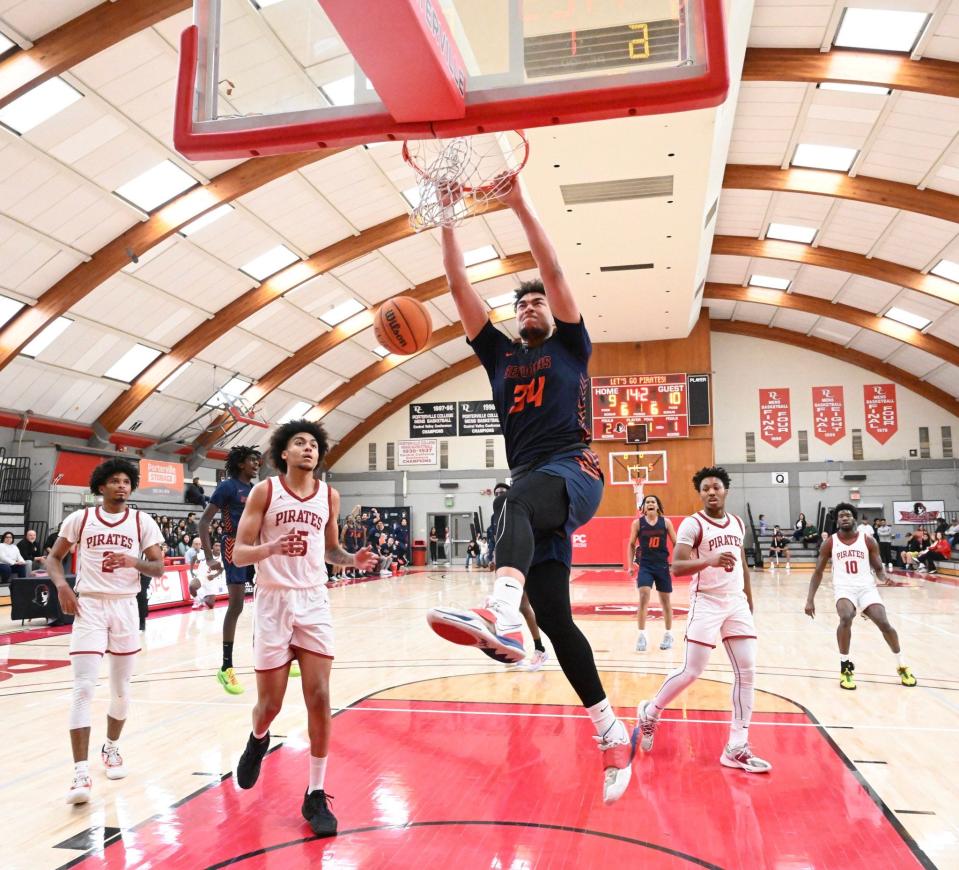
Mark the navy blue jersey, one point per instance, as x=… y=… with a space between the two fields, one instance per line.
x=230 y=497
x=539 y=392
x=652 y=542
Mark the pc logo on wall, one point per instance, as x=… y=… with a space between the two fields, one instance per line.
x=917 y=512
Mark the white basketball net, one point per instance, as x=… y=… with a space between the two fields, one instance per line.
x=458 y=177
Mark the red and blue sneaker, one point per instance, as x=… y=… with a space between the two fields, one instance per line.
x=494 y=629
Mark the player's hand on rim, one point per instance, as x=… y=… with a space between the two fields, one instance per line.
x=507 y=190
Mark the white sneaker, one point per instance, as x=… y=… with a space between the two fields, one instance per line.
x=80 y=789
x=496 y=629
x=618 y=755
x=646 y=724
x=534 y=662
x=641 y=643
x=113 y=762
x=743 y=758
x=667 y=642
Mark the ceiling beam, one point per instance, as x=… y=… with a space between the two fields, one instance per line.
x=78 y=40
x=844 y=354
x=395 y=404
x=320 y=345
x=897 y=71
x=843 y=261
x=820 y=182
x=940 y=348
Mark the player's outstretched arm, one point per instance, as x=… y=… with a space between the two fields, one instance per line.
x=559 y=296
x=825 y=554
x=470 y=307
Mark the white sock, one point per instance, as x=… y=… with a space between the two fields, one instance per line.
x=508 y=591
x=642 y=632
x=605 y=722
x=111 y=744
x=317 y=773
x=843 y=657
x=261 y=736
x=901 y=662
x=668 y=632
x=81 y=768
x=738 y=734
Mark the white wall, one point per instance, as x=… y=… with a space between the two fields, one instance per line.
x=743 y=365
x=464 y=452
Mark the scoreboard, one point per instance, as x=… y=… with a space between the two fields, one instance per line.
x=659 y=401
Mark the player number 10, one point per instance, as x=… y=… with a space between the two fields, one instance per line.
x=639 y=47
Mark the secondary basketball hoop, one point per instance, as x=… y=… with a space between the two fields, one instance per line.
x=478 y=167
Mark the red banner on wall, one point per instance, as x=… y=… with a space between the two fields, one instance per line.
x=829 y=413
x=882 y=415
x=604 y=540
x=775 y=416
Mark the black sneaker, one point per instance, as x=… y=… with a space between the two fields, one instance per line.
x=316 y=810
x=248 y=768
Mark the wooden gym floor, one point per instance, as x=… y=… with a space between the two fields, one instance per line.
x=440 y=757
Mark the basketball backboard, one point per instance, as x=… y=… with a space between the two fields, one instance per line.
x=628 y=467
x=270 y=76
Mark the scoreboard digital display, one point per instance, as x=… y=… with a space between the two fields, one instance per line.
x=659 y=401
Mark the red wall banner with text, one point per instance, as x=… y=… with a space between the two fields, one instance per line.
x=882 y=414
x=829 y=413
x=775 y=416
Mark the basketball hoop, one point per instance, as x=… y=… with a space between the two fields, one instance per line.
x=481 y=167
x=246 y=419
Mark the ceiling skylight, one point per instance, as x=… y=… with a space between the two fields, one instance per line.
x=38 y=105
x=296 y=412
x=231 y=390
x=338 y=313
x=269 y=263
x=173 y=376
x=480 y=255
x=769 y=282
x=156 y=186
x=47 y=337
x=946 y=269
x=8 y=308
x=791 y=233
x=880 y=29
x=206 y=219
x=134 y=361
x=5 y=44
x=900 y=315
x=854 y=89
x=824 y=157
x=501 y=300
x=381 y=351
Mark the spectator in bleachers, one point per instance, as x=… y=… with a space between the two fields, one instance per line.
x=938 y=549
x=914 y=546
x=778 y=546
x=192 y=529
x=195 y=547
x=194 y=493
x=12 y=563
x=400 y=555
x=952 y=532
x=941 y=525
x=183 y=544
x=763 y=525
x=30 y=549
x=472 y=553
x=799 y=527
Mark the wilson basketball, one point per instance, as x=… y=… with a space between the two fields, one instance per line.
x=402 y=325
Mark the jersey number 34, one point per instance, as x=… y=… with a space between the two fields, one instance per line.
x=528 y=394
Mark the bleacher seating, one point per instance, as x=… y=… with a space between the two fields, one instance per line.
x=800 y=554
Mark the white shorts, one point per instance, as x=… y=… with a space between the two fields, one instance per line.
x=860 y=596
x=285 y=620
x=718 y=617
x=106 y=625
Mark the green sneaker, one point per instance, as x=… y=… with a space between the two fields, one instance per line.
x=294 y=668
x=230 y=683
x=846 y=680
x=906 y=676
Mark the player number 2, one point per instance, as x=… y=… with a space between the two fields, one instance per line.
x=852 y=567
x=528 y=394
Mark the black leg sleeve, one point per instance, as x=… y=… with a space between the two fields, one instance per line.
x=537 y=504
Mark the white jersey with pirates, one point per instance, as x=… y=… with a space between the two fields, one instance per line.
x=98 y=534
x=850 y=562
x=287 y=513
x=707 y=536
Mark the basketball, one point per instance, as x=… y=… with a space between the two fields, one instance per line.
x=402 y=325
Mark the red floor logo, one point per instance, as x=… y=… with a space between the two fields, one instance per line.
x=21 y=667
x=617 y=610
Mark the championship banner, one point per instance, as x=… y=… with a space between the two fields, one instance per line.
x=917 y=513
x=412 y=454
x=433 y=420
x=775 y=416
x=160 y=478
x=829 y=414
x=478 y=418
x=882 y=414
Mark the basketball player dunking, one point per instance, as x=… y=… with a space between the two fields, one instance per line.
x=109 y=540
x=709 y=546
x=651 y=529
x=539 y=388
x=289 y=530
x=855 y=559
x=230 y=496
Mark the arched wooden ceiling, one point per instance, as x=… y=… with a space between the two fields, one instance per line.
x=843 y=261
x=842 y=354
x=78 y=40
x=945 y=350
x=314 y=349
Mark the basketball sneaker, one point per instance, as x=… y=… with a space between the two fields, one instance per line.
x=905 y=675
x=667 y=642
x=618 y=752
x=743 y=758
x=248 y=767
x=227 y=679
x=534 y=662
x=294 y=669
x=113 y=762
x=316 y=810
x=641 y=643
x=496 y=629
x=847 y=676
x=646 y=725
x=80 y=789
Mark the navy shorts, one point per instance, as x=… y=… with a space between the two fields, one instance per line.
x=234 y=574
x=658 y=575
x=582 y=474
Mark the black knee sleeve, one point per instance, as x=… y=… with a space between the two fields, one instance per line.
x=537 y=504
